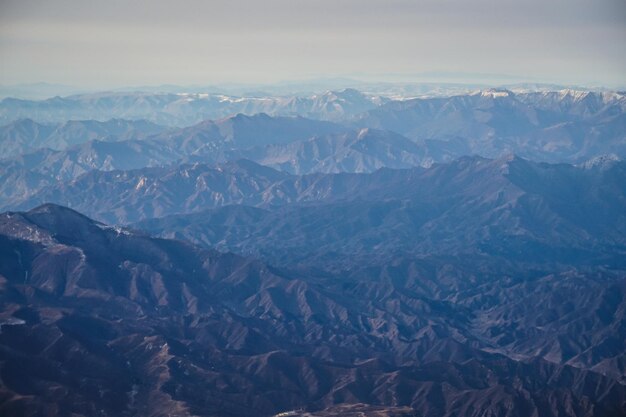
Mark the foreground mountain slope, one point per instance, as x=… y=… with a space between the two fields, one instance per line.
x=156 y=327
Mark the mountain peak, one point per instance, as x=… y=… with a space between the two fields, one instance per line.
x=349 y=94
x=245 y=117
x=47 y=223
x=24 y=121
x=53 y=217
x=495 y=93
x=574 y=94
x=51 y=208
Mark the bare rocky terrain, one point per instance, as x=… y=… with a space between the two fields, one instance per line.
x=99 y=320
x=336 y=254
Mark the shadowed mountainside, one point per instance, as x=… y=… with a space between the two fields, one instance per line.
x=100 y=320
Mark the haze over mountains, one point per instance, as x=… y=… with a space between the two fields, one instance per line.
x=25 y=136
x=340 y=252
x=184 y=109
x=565 y=126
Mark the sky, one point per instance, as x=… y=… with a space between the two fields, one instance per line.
x=112 y=43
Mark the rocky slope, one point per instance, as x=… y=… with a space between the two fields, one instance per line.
x=209 y=141
x=127 y=196
x=98 y=320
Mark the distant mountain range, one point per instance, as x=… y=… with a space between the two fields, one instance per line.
x=208 y=141
x=242 y=132
x=25 y=136
x=185 y=109
x=357 y=151
x=567 y=126
x=563 y=126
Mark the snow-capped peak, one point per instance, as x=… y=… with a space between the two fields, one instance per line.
x=493 y=93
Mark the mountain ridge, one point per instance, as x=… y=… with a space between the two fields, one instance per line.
x=151 y=322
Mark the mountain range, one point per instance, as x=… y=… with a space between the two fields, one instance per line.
x=25 y=136
x=128 y=196
x=341 y=253
x=184 y=109
x=103 y=320
x=567 y=126
x=564 y=126
x=521 y=210
x=208 y=141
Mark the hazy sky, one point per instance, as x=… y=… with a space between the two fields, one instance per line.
x=109 y=43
